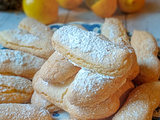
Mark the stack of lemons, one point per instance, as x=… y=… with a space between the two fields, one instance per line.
x=47 y=11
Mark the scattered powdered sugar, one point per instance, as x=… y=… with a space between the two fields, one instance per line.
x=19 y=62
x=24 y=36
x=15 y=82
x=95 y=45
x=87 y=81
x=14 y=56
x=22 y=111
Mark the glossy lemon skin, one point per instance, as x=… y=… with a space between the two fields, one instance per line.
x=45 y=11
x=69 y=4
x=131 y=6
x=102 y=8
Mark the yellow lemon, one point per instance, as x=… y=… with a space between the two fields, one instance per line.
x=44 y=11
x=102 y=8
x=130 y=6
x=69 y=4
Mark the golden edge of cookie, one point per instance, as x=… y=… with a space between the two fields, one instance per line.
x=15 y=89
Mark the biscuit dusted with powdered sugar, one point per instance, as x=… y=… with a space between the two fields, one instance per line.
x=43 y=32
x=13 y=62
x=146 y=49
x=54 y=93
x=89 y=85
x=22 y=40
x=57 y=94
x=15 y=89
x=23 y=112
x=91 y=50
x=141 y=103
x=103 y=109
x=39 y=101
x=114 y=30
x=57 y=69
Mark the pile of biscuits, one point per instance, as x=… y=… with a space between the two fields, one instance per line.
x=87 y=74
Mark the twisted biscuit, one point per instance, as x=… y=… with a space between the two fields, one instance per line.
x=146 y=49
x=57 y=69
x=114 y=30
x=141 y=103
x=93 y=51
x=39 y=101
x=23 y=112
x=14 y=89
x=13 y=62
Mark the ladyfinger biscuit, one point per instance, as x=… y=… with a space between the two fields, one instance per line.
x=114 y=30
x=15 y=89
x=39 y=101
x=57 y=69
x=54 y=93
x=141 y=103
x=17 y=63
x=22 y=40
x=42 y=31
x=23 y=112
x=103 y=109
x=146 y=49
x=93 y=51
x=88 y=86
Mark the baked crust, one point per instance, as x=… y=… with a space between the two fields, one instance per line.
x=39 y=101
x=23 y=112
x=146 y=49
x=114 y=30
x=57 y=69
x=93 y=51
x=15 y=89
x=141 y=103
x=17 y=63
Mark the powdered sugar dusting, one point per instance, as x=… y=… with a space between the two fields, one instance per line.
x=23 y=36
x=15 y=57
x=89 y=84
x=19 y=62
x=95 y=45
x=17 y=83
x=23 y=111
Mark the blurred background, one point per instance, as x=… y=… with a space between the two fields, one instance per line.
x=134 y=14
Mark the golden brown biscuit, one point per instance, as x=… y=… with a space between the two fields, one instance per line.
x=23 y=112
x=57 y=69
x=15 y=89
x=17 y=63
x=43 y=32
x=146 y=49
x=114 y=30
x=56 y=94
x=104 y=109
x=91 y=50
x=22 y=40
x=141 y=103
x=89 y=88
x=39 y=101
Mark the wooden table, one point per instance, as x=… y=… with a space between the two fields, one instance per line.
x=147 y=19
